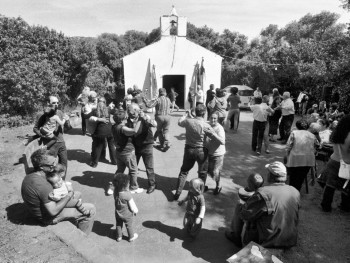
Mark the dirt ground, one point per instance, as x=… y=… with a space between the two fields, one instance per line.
x=323 y=237
x=22 y=242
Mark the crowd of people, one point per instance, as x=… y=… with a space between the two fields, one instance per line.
x=266 y=213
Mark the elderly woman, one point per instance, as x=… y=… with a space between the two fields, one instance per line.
x=301 y=147
x=337 y=167
x=215 y=143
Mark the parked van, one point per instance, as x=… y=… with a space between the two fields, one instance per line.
x=246 y=93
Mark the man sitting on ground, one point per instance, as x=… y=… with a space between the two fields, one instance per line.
x=273 y=209
x=35 y=193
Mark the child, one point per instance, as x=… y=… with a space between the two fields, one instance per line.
x=61 y=188
x=195 y=209
x=125 y=207
x=254 y=181
x=50 y=126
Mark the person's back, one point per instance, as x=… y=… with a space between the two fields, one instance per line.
x=194 y=131
x=234 y=100
x=278 y=225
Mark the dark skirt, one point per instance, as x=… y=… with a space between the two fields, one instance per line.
x=273 y=122
x=329 y=177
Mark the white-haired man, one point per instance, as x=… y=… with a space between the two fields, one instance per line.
x=271 y=214
x=287 y=107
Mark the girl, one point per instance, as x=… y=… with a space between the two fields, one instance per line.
x=195 y=209
x=125 y=207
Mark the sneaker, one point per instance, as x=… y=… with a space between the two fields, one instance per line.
x=119 y=239
x=258 y=153
x=136 y=191
x=134 y=237
x=217 y=190
x=176 y=196
x=267 y=151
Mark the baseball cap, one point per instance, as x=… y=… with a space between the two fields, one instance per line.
x=278 y=171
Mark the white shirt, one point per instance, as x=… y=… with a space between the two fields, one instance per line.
x=260 y=111
x=287 y=107
x=200 y=96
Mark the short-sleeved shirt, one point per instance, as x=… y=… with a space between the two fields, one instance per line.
x=121 y=204
x=195 y=135
x=234 y=100
x=200 y=96
x=194 y=204
x=35 y=192
x=122 y=142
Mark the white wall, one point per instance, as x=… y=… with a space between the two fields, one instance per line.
x=171 y=55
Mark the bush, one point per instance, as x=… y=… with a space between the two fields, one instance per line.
x=14 y=121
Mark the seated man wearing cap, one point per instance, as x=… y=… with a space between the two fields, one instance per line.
x=273 y=209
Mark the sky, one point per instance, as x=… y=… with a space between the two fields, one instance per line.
x=93 y=17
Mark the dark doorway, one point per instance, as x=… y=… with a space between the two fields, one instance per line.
x=178 y=82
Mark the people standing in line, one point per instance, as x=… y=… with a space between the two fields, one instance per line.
x=102 y=133
x=143 y=142
x=35 y=192
x=209 y=98
x=125 y=207
x=59 y=148
x=125 y=150
x=219 y=104
x=199 y=95
x=301 y=148
x=233 y=102
x=260 y=112
x=338 y=167
x=215 y=143
x=274 y=209
x=195 y=209
x=287 y=107
x=172 y=96
x=274 y=118
x=195 y=150
x=162 y=117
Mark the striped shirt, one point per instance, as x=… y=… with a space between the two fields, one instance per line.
x=162 y=105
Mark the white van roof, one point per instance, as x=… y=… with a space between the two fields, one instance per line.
x=239 y=87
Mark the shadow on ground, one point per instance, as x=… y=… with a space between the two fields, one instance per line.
x=19 y=215
x=199 y=247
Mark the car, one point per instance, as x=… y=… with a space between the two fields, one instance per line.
x=246 y=93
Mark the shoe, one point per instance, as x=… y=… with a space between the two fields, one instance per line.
x=151 y=189
x=136 y=191
x=272 y=140
x=258 y=153
x=133 y=238
x=93 y=165
x=267 y=151
x=176 y=196
x=206 y=188
x=110 y=189
x=217 y=190
x=119 y=239
x=283 y=142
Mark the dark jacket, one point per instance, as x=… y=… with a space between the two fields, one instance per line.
x=275 y=211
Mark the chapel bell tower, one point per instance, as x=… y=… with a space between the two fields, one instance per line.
x=173 y=21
